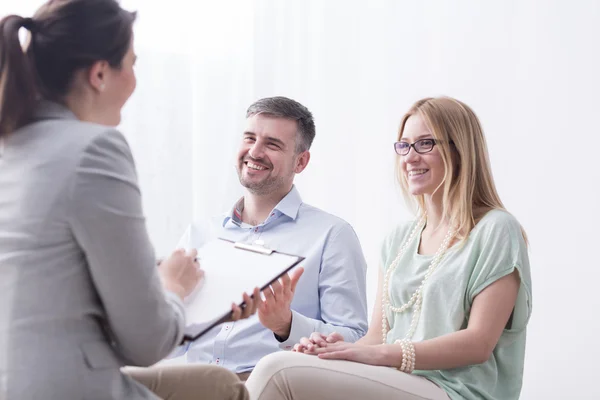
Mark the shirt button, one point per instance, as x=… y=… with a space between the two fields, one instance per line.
x=255 y=229
x=226 y=327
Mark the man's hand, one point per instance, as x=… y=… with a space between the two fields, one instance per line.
x=274 y=312
x=251 y=304
x=310 y=344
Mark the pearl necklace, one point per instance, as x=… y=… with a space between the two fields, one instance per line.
x=417 y=297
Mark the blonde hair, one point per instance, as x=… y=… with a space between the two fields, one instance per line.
x=468 y=186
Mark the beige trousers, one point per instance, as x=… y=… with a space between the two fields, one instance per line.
x=190 y=382
x=295 y=376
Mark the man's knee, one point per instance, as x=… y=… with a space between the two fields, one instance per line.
x=191 y=381
x=225 y=384
x=219 y=374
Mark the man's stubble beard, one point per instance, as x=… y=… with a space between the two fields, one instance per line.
x=265 y=187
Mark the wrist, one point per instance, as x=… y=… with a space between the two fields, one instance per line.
x=175 y=288
x=284 y=329
x=408 y=355
x=391 y=355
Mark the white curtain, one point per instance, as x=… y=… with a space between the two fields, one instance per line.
x=528 y=68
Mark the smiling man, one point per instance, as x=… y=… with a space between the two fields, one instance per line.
x=330 y=296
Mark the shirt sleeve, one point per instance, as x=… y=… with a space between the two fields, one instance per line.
x=107 y=221
x=499 y=251
x=342 y=291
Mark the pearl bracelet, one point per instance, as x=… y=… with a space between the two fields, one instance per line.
x=408 y=355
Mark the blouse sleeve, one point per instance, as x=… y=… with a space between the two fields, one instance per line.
x=500 y=250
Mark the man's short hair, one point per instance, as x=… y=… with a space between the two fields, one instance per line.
x=282 y=107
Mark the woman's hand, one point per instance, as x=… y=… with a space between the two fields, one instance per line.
x=316 y=340
x=180 y=273
x=379 y=354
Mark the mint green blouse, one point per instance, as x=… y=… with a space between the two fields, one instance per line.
x=495 y=248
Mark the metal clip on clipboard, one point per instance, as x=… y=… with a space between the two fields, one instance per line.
x=257 y=247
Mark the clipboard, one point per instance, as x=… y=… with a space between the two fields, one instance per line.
x=231 y=268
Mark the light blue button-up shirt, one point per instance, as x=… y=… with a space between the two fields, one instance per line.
x=330 y=295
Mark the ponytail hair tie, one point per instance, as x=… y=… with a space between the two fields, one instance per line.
x=29 y=24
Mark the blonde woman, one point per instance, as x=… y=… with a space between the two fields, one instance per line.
x=454 y=294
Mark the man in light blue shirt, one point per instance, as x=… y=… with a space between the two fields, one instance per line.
x=330 y=296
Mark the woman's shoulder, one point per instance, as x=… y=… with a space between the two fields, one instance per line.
x=71 y=136
x=497 y=221
x=499 y=229
x=401 y=230
x=56 y=121
x=94 y=134
x=66 y=142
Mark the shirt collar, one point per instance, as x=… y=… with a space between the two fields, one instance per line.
x=46 y=109
x=289 y=205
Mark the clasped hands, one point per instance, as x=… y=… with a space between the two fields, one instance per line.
x=333 y=347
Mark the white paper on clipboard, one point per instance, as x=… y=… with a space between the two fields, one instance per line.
x=229 y=271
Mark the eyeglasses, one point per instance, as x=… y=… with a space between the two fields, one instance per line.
x=421 y=146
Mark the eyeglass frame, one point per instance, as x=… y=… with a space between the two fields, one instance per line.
x=435 y=142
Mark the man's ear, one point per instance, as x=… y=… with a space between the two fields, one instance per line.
x=97 y=75
x=302 y=161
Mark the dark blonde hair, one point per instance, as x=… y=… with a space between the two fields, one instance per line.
x=468 y=186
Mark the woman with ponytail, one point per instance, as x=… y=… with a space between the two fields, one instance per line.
x=80 y=295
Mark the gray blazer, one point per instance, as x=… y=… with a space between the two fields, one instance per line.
x=79 y=292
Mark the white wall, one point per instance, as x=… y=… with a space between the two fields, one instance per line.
x=528 y=68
